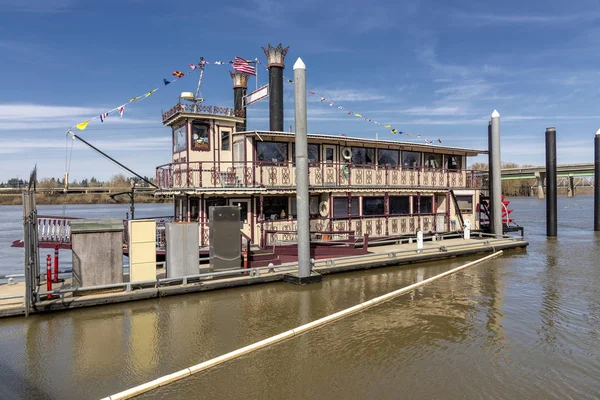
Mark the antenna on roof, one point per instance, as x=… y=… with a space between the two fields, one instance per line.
x=196 y=98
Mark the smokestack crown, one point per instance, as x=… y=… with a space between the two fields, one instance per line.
x=240 y=80
x=275 y=55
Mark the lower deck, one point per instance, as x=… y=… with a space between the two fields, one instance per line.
x=269 y=219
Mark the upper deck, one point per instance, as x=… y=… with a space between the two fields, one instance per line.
x=264 y=160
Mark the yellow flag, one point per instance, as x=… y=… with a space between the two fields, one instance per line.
x=394 y=130
x=150 y=92
x=358 y=115
x=388 y=126
x=134 y=99
x=82 y=125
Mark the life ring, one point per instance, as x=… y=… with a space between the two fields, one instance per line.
x=347 y=153
x=324 y=209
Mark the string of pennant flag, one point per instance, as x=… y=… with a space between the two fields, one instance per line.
x=239 y=64
x=121 y=109
x=367 y=119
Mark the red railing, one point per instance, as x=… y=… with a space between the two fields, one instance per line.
x=213 y=174
x=202 y=109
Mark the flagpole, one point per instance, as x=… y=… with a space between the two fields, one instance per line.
x=256 y=70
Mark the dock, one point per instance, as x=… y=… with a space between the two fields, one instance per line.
x=399 y=253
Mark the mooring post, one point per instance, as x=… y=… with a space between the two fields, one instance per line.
x=490 y=177
x=596 y=185
x=550 y=181
x=304 y=274
x=419 y=242
x=496 y=200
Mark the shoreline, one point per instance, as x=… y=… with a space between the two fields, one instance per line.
x=79 y=198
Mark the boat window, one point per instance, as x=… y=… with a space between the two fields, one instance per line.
x=399 y=205
x=214 y=202
x=200 y=139
x=272 y=151
x=274 y=207
x=313 y=153
x=361 y=155
x=433 y=160
x=388 y=157
x=411 y=159
x=313 y=206
x=225 y=140
x=179 y=138
x=194 y=208
x=329 y=155
x=340 y=207
x=426 y=204
x=465 y=203
x=453 y=162
x=373 y=206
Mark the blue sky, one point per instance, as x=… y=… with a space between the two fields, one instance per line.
x=435 y=68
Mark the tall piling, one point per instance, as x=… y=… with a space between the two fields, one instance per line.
x=304 y=274
x=240 y=86
x=551 y=181
x=490 y=177
x=275 y=58
x=596 y=180
x=496 y=199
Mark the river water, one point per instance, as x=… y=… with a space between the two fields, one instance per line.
x=524 y=325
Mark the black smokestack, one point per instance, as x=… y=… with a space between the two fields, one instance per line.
x=240 y=85
x=275 y=58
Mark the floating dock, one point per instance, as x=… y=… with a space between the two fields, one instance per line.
x=397 y=253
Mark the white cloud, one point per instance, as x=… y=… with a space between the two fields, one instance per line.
x=443 y=110
x=39 y=116
x=495 y=19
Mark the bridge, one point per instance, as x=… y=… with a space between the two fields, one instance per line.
x=567 y=175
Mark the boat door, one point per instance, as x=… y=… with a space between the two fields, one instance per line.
x=329 y=172
x=244 y=205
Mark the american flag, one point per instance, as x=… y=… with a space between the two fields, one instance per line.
x=241 y=65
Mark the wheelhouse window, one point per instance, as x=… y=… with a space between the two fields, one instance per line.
x=361 y=155
x=274 y=207
x=411 y=159
x=424 y=204
x=200 y=136
x=388 y=157
x=340 y=207
x=465 y=203
x=275 y=152
x=433 y=160
x=399 y=205
x=453 y=162
x=373 y=206
x=225 y=140
x=179 y=138
x=313 y=153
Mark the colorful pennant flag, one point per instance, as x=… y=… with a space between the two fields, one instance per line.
x=121 y=110
x=166 y=82
x=134 y=99
x=150 y=93
x=81 y=126
x=243 y=66
x=178 y=74
x=193 y=67
x=103 y=116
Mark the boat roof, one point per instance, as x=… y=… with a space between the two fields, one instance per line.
x=362 y=140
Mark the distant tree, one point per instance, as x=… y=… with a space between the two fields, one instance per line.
x=119 y=181
x=83 y=183
x=479 y=166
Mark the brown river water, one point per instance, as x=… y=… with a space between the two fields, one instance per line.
x=524 y=325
